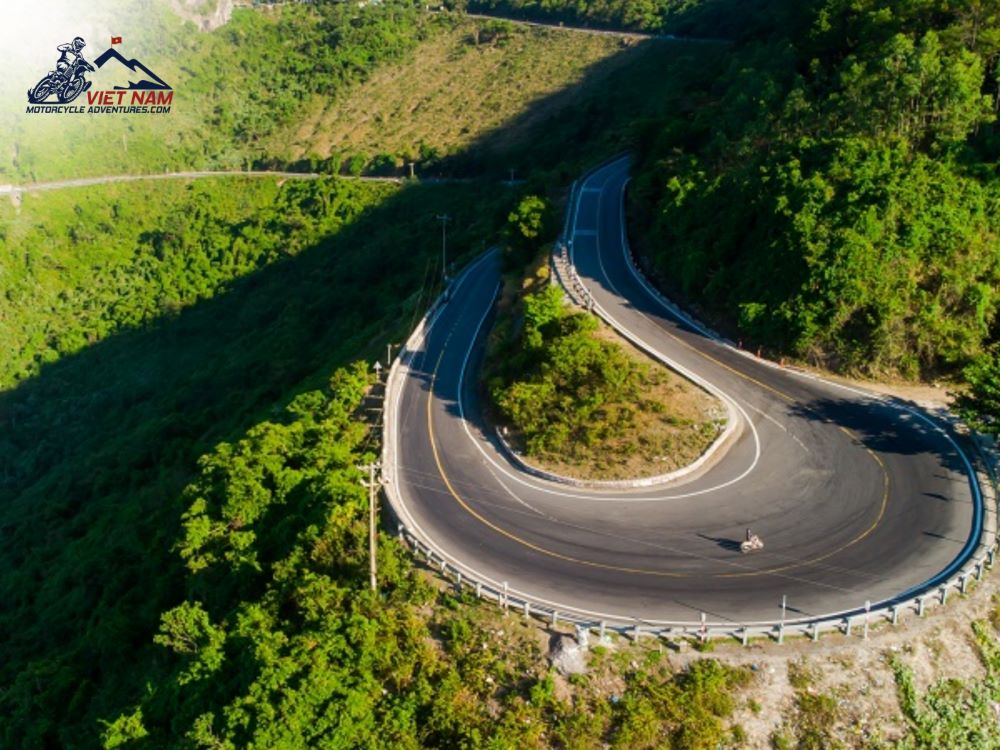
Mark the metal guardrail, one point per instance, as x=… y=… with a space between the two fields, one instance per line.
x=466 y=579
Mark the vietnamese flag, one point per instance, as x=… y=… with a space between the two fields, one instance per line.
x=116 y=40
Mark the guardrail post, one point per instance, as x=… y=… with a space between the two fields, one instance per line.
x=402 y=533
x=479 y=590
x=847 y=626
x=555 y=617
x=703 y=632
x=781 y=633
x=815 y=633
x=868 y=609
x=746 y=636
x=635 y=632
x=989 y=557
x=979 y=570
x=920 y=605
x=895 y=613
x=964 y=580
x=458 y=580
x=944 y=594
x=527 y=609
x=505 y=595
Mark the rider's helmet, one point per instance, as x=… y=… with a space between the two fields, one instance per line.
x=78 y=43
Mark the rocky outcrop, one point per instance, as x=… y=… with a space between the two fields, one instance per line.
x=206 y=20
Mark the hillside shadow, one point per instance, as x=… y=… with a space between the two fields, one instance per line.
x=608 y=110
x=886 y=429
x=97 y=447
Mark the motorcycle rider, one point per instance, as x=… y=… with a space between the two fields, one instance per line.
x=69 y=55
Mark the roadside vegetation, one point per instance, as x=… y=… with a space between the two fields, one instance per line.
x=962 y=715
x=274 y=640
x=571 y=395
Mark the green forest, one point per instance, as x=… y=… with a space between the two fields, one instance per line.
x=205 y=338
x=186 y=391
x=854 y=148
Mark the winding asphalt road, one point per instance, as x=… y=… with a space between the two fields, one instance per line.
x=855 y=498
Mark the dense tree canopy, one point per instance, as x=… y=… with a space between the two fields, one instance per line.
x=853 y=150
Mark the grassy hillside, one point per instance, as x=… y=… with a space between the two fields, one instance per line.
x=328 y=86
x=472 y=79
x=514 y=100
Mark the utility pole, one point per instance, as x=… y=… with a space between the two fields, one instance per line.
x=373 y=485
x=444 y=219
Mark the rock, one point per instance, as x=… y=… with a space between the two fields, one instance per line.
x=568 y=657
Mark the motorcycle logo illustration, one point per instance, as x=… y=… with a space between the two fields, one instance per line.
x=68 y=80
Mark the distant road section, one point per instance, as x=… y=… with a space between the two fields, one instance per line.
x=628 y=34
x=88 y=181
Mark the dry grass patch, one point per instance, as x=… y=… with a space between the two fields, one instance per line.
x=452 y=91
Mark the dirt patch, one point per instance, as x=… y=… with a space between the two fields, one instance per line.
x=856 y=673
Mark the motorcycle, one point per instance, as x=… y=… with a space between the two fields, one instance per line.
x=751 y=544
x=67 y=85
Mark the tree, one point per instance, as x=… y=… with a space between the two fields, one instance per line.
x=980 y=405
x=187 y=630
x=525 y=225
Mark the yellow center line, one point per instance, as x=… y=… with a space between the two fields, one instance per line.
x=622 y=569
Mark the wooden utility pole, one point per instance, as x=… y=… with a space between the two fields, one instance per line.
x=444 y=219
